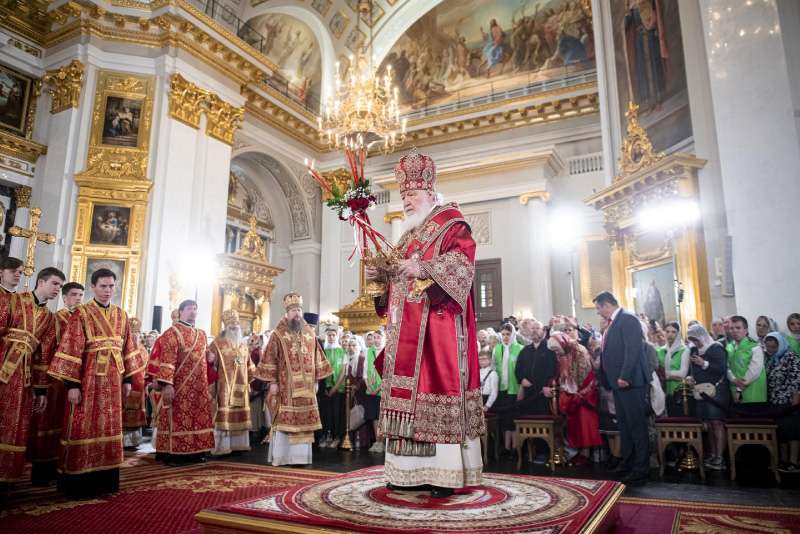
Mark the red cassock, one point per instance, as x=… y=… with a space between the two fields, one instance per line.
x=96 y=352
x=185 y=427
x=134 y=415
x=45 y=434
x=431 y=338
x=583 y=422
x=24 y=325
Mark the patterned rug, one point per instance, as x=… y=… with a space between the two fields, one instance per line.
x=360 y=502
x=153 y=498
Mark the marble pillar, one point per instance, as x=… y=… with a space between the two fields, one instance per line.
x=759 y=152
x=330 y=275
x=395 y=218
x=539 y=287
x=22 y=216
x=306 y=261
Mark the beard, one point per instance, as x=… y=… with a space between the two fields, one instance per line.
x=295 y=325
x=415 y=219
x=234 y=334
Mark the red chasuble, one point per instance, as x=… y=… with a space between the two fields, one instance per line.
x=23 y=326
x=44 y=444
x=185 y=427
x=134 y=415
x=96 y=351
x=431 y=381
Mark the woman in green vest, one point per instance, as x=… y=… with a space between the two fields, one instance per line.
x=745 y=364
x=793 y=337
x=332 y=407
x=505 y=363
x=675 y=363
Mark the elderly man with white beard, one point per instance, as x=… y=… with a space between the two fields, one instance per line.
x=234 y=374
x=431 y=412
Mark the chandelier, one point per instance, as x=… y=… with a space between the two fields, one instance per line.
x=364 y=110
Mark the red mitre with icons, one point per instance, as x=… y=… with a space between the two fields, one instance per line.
x=415 y=172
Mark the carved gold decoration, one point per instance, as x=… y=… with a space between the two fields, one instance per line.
x=524 y=198
x=27 y=18
x=65 y=86
x=22 y=196
x=252 y=245
x=187 y=102
x=393 y=215
x=637 y=150
x=338 y=178
x=121 y=193
x=120 y=162
x=359 y=316
x=19 y=147
x=32 y=234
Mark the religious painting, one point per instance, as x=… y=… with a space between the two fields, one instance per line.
x=467 y=49
x=321 y=6
x=355 y=40
x=291 y=45
x=110 y=225
x=116 y=266
x=376 y=15
x=650 y=69
x=121 y=121
x=338 y=24
x=653 y=292
x=15 y=97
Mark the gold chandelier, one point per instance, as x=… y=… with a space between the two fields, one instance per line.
x=364 y=109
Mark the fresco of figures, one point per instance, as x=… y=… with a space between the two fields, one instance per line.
x=291 y=45
x=463 y=49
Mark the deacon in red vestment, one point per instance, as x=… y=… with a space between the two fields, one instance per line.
x=133 y=415
x=25 y=326
x=44 y=446
x=184 y=429
x=431 y=408
x=95 y=359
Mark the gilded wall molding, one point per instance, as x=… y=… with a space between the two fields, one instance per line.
x=22 y=196
x=188 y=101
x=338 y=178
x=122 y=153
x=637 y=150
x=391 y=216
x=524 y=198
x=65 y=86
x=19 y=147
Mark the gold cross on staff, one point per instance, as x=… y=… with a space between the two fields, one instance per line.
x=32 y=234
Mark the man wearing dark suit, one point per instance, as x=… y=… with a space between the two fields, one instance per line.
x=624 y=370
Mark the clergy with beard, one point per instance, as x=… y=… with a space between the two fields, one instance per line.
x=431 y=409
x=537 y=371
x=293 y=363
x=234 y=373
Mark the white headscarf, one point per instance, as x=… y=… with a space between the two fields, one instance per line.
x=699 y=333
x=677 y=346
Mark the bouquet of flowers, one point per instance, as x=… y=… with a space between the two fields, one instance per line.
x=351 y=205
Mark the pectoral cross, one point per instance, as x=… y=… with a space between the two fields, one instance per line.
x=32 y=234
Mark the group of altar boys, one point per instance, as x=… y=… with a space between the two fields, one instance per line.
x=78 y=386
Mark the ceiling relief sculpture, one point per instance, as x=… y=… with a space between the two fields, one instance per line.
x=245 y=198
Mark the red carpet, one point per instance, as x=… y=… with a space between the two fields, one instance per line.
x=360 y=502
x=153 y=498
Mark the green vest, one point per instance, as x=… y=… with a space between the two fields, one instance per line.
x=373 y=378
x=739 y=356
x=794 y=343
x=674 y=365
x=338 y=360
x=513 y=352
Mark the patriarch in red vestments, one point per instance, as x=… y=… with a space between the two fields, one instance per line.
x=431 y=410
x=95 y=359
x=45 y=435
x=184 y=429
x=26 y=327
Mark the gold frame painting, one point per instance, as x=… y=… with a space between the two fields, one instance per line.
x=124 y=160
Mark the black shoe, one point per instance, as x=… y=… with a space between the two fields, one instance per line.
x=635 y=479
x=441 y=493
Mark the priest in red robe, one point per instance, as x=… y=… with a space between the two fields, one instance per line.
x=95 y=359
x=431 y=408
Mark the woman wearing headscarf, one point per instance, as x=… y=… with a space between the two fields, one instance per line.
x=709 y=367
x=505 y=363
x=674 y=360
x=579 y=397
x=783 y=387
x=764 y=325
x=793 y=337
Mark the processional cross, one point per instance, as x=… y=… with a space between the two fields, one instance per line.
x=32 y=234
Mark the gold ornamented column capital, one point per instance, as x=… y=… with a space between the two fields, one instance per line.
x=22 y=195
x=393 y=216
x=222 y=119
x=524 y=198
x=186 y=100
x=338 y=178
x=65 y=86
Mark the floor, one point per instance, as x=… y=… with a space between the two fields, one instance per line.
x=756 y=487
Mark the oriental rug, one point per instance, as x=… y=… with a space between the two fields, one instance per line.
x=360 y=502
x=153 y=498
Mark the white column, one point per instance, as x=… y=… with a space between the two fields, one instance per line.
x=396 y=219
x=305 y=272
x=539 y=255
x=22 y=216
x=758 y=148
x=330 y=266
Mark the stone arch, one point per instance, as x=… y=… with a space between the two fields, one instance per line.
x=400 y=20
